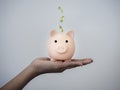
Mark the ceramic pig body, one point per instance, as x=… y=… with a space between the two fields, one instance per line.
x=61 y=45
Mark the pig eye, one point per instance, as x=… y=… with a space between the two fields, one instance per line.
x=55 y=41
x=66 y=41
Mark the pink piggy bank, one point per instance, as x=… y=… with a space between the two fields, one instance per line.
x=61 y=45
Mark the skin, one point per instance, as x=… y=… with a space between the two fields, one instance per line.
x=42 y=66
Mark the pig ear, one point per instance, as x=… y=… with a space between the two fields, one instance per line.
x=53 y=32
x=70 y=33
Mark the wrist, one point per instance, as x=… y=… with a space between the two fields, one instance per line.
x=32 y=71
x=35 y=69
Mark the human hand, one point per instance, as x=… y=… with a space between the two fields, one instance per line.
x=44 y=65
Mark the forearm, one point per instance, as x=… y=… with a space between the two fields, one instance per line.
x=21 y=79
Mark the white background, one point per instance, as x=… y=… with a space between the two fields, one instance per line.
x=24 y=30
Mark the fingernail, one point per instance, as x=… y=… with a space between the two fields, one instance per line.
x=91 y=60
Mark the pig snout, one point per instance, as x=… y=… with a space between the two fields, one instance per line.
x=61 y=49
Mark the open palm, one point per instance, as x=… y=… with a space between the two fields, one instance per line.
x=44 y=65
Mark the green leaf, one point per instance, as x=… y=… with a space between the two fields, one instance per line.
x=61 y=28
x=60 y=9
x=62 y=19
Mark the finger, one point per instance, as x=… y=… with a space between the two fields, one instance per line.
x=77 y=62
x=87 y=61
x=43 y=58
x=82 y=61
x=70 y=64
